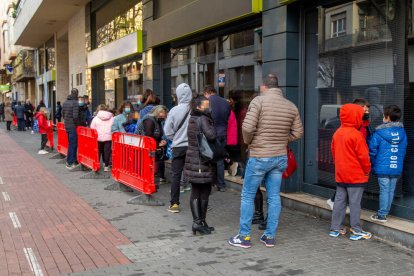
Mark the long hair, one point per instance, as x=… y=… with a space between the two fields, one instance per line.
x=157 y=110
x=197 y=102
x=121 y=108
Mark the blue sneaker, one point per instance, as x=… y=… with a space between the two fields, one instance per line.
x=379 y=218
x=269 y=242
x=337 y=233
x=240 y=241
x=358 y=235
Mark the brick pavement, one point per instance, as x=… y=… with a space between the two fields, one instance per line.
x=50 y=225
x=164 y=245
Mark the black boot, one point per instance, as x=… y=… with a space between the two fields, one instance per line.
x=197 y=222
x=204 y=207
x=258 y=208
x=263 y=224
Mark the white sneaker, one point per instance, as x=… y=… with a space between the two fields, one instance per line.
x=106 y=169
x=330 y=203
x=42 y=152
x=233 y=169
x=348 y=211
x=32 y=132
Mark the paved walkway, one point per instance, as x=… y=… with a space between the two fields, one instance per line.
x=45 y=228
x=162 y=243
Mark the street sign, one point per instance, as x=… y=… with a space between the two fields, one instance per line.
x=222 y=80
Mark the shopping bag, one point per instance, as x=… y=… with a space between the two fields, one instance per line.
x=292 y=165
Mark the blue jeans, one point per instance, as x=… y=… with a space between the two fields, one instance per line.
x=257 y=169
x=387 y=188
x=72 y=146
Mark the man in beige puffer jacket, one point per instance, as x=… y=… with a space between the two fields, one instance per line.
x=270 y=124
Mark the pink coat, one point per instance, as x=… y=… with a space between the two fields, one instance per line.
x=232 y=137
x=102 y=122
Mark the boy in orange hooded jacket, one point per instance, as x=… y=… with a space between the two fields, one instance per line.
x=352 y=167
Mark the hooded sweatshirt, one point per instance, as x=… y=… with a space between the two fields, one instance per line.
x=349 y=149
x=102 y=123
x=387 y=149
x=176 y=116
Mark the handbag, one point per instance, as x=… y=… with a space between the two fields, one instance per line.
x=210 y=151
x=292 y=165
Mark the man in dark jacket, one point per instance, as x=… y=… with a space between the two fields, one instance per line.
x=19 y=110
x=28 y=110
x=1 y=112
x=220 y=112
x=70 y=112
x=58 y=115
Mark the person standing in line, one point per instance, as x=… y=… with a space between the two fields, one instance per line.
x=2 y=106
x=271 y=123
x=8 y=115
x=125 y=114
x=44 y=128
x=88 y=113
x=70 y=113
x=387 y=150
x=150 y=103
x=175 y=129
x=19 y=111
x=58 y=115
x=220 y=112
x=40 y=105
x=28 y=110
x=83 y=112
x=352 y=168
x=102 y=122
x=199 y=173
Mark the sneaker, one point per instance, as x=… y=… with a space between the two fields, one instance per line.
x=69 y=167
x=330 y=203
x=182 y=190
x=376 y=217
x=187 y=188
x=233 y=169
x=269 y=242
x=32 y=132
x=107 y=169
x=239 y=241
x=42 y=152
x=175 y=208
x=358 y=235
x=221 y=189
x=337 y=233
x=163 y=180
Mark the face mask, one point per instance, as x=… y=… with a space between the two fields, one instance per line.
x=365 y=117
x=139 y=103
x=127 y=110
x=81 y=103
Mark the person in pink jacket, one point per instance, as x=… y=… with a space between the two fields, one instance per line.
x=102 y=122
x=232 y=139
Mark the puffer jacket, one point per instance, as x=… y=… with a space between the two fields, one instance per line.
x=102 y=122
x=349 y=149
x=44 y=127
x=70 y=112
x=270 y=123
x=387 y=149
x=196 y=170
x=8 y=114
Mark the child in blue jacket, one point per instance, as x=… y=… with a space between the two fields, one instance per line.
x=387 y=151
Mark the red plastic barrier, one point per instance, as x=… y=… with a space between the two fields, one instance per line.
x=50 y=136
x=88 y=154
x=133 y=161
x=62 y=146
x=14 y=122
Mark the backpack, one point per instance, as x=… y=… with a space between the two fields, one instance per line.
x=140 y=126
x=35 y=126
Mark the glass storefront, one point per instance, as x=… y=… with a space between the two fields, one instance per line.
x=231 y=63
x=361 y=49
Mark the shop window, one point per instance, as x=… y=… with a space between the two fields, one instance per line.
x=339 y=25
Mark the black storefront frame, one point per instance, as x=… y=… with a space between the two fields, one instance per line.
x=370 y=203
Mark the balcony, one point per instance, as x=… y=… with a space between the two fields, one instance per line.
x=37 y=20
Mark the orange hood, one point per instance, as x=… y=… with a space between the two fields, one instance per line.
x=351 y=115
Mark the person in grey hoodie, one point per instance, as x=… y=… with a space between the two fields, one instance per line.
x=175 y=129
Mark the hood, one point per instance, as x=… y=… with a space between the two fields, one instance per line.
x=351 y=115
x=392 y=132
x=39 y=114
x=104 y=115
x=372 y=95
x=184 y=93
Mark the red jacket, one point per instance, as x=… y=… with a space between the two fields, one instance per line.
x=42 y=122
x=232 y=137
x=349 y=148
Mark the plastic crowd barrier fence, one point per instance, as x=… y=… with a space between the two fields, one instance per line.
x=88 y=153
x=50 y=136
x=62 y=146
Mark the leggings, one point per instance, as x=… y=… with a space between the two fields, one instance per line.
x=105 y=150
x=43 y=142
x=200 y=191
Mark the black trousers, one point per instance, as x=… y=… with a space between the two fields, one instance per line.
x=200 y=191
x=177 y=167
x=43 y=142
x=160 y=168
x=8 y=124
x=105 y=151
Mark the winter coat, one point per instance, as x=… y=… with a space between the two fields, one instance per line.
x=19 y=111
x=102 y=122
x=152 y=128
x=28 y=110
x=349 y=148
x=83 y=115
x=8 y=114
x=2 y=108
x=271 y=122
x=220 y=112
x=144 y=111
x=44 y=127
x=70 y=112
x=232 y=131
x=176 y=116
x=387 y=149
x=118 y=125
x=196 y=169
x=58 y=114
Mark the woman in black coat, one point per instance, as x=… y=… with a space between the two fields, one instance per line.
x=200 y=173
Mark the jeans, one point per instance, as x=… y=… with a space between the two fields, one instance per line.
x=387 y=188
x=220 y=164
x=177 y=167
x=257 y=169
x=72 y=146
x=20 y=124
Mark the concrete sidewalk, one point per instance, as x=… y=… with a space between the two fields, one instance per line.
x=163 y=243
